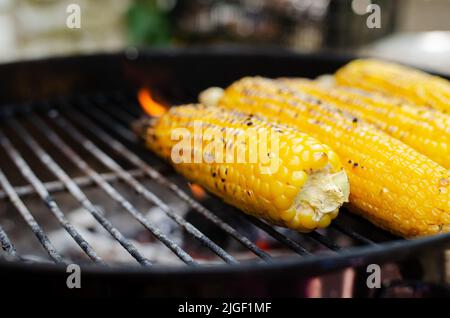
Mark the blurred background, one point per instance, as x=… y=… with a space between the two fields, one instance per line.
x=410 y=31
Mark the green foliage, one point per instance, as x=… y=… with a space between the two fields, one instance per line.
x=148 y=24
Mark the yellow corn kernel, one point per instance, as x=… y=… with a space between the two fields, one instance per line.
x=298 y=178
x=424 y=129
x=333 y=215
x=255 y=188
x=290 y=191
x=265 y=190
x=288 y=215
x=325 y=221
x=380 y=167
x=308 y=221
x=277 y=188
x=404 y=82
x=282 y=202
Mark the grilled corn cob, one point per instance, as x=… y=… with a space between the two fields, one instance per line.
x=412 y=85
x=303 y=192
x=391 y=184
x=424 y=129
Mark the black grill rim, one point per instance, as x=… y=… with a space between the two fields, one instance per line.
x=293 y=267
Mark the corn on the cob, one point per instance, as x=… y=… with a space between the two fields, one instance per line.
x=391 y=184
x=303 y=192
x=407 y=83
x=424 y=129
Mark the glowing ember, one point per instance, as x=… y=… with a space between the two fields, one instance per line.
x=197 y=191
x=149 y=105
x=263 y=244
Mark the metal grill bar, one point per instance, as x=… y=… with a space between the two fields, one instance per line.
x=73 y=188
x=316 y=236
x=23 y=210
x=122 y=99
x=119 y=113
x=140 y=189
x=354 y=235
x=110 y=123
x=155 y=175
x=6 y=244
x=106 y=118
x=293 y=245
x=26 y=171
x=58 y=186
x=115 y=195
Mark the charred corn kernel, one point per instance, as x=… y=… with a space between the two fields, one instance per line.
x=381 y=168
x=424 y=129
x=279 y=197
x=405 y=82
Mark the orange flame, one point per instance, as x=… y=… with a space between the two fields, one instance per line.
x=149 y=105
x=197 y=191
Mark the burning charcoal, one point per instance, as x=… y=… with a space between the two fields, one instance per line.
x=105 y=245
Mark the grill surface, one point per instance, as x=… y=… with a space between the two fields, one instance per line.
x=102 y=116
x=99 y=126
x=69 y=153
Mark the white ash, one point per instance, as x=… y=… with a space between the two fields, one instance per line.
x=109 y=249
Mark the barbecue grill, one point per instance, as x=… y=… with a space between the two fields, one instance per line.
x=73 y=174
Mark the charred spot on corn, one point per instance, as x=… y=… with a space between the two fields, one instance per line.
x=302 y=194
x=389 y=175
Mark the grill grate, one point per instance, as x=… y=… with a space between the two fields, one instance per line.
x=98 y=127
x=7 y=246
